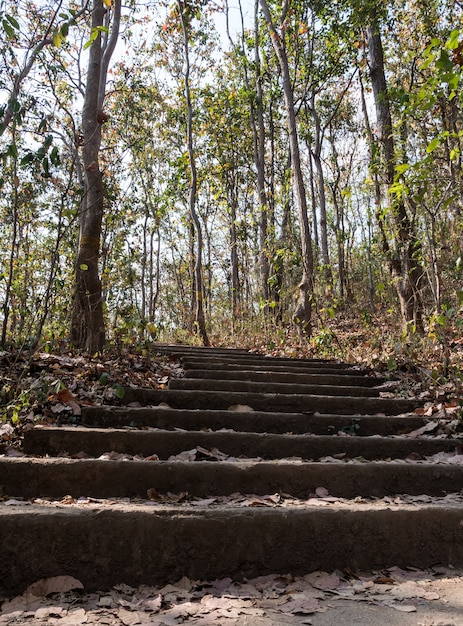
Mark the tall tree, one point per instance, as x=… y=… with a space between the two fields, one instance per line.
x=400 y=243
x=303 y=312
x=88 y=325
x=186 y=14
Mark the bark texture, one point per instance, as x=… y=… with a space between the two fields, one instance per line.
x=88 y=324
x=200 y=321
x=400 y=243
x=303 y=312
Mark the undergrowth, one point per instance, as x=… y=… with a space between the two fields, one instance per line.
x=51 y=383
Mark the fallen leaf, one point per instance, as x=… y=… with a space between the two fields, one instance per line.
x=427 y=428
x=130 y=618
x=25 y=602
x=13 y=452
x=65 y=396
x=405 y=608
x=323 y=580
x=152 y=604
x=73 y=618
x=58 y=408
x=204 y=502
x=55 y=584
x=76 y=408
x=49 y=611
x=240 y=408
x=301 y=604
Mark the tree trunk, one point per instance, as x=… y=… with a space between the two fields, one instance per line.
x=402 y=247
x=316 y=154
x=303 y=312
x=88 y=325
x=234 y=260
x=259 y=152
x=200 y=321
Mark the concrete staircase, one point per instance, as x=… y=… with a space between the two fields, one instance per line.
x=248 y=465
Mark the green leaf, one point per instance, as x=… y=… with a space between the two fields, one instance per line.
x=453 y=41
x=104 y=378
x=433 y=144
x=12 y=21
x=402 y=167
x=93 y=37
x=83 y=267
x=57 y=39
x=28 y=158
x=9 y=30
x=12 y=151
x=119 y=391
x=444 y=62
x=54 y=156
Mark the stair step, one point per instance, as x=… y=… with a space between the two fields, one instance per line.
x=288 y=403
x=259 y=375
x=102 y=546
x=267 y=364
x=92 y=518
x=166 y=443
x=249 y=421
x=165 y=348
x=247 y=386
x=59 y=477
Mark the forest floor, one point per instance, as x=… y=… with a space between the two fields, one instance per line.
x=395 y=597
x=49 y=387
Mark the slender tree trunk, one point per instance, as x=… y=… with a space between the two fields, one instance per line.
x=316 y=154
x=155 y=283
x=234 y=261
x=6 y=307
x=303 y=312
x=199 y=316
x=88 y=325
x=403 y=248
x=259 y=152
x=314 y=207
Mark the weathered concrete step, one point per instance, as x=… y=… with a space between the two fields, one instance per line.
x=248 y=386
x=146 y=545
x=288 y=403
x=55 y=478
x=268 y=364
x=177 y=349
x=259 y=375
x=234 y=354
x=165 y=443
x=249 y=421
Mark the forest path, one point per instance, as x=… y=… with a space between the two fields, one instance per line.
x=248 y=466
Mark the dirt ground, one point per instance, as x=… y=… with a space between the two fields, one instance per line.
x=391 y=597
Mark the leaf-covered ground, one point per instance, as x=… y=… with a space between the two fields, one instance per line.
x=49 y=388
x=394 y=596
